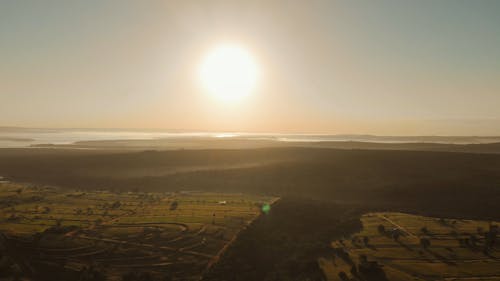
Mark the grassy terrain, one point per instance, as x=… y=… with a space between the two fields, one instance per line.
x=456 y=251
x=176 y=235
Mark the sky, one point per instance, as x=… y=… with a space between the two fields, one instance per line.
x=338 y=67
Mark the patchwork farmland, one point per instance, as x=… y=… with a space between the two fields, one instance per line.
x=166 y=236
x=398 y=246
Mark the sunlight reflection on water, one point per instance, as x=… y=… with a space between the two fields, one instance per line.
x=27 y=137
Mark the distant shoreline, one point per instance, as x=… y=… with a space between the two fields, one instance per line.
x=25 y=137
x=241 y=143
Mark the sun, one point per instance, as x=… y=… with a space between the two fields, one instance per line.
x=229 y=73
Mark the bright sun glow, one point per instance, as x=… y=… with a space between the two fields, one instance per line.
x=229 y=73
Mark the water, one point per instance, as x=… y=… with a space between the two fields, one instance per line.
x=29 y=137
x=16 y=137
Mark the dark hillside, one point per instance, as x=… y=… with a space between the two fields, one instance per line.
x=284 y=244
x=442 y=183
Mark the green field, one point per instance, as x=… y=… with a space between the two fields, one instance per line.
x=173 y=235
x=457 y=249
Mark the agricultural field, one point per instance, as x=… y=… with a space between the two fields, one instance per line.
x=397 y=246
x=45 y=231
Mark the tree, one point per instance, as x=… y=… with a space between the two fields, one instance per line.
x=354 y=240
x=425 y=243
x=354 y=270
x=461 y=242
x=480 y=230
x=381 y=229
x=173 y=205
x=116 y=205
x=473 y=240
x=135 y=276
x=343 y=276
x=491 y=236
x=366 y=240
x=424 y=230
x=363 y=258
x=91 y=274
x=396 y=235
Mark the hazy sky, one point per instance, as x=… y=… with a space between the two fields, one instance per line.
x=379 y=67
